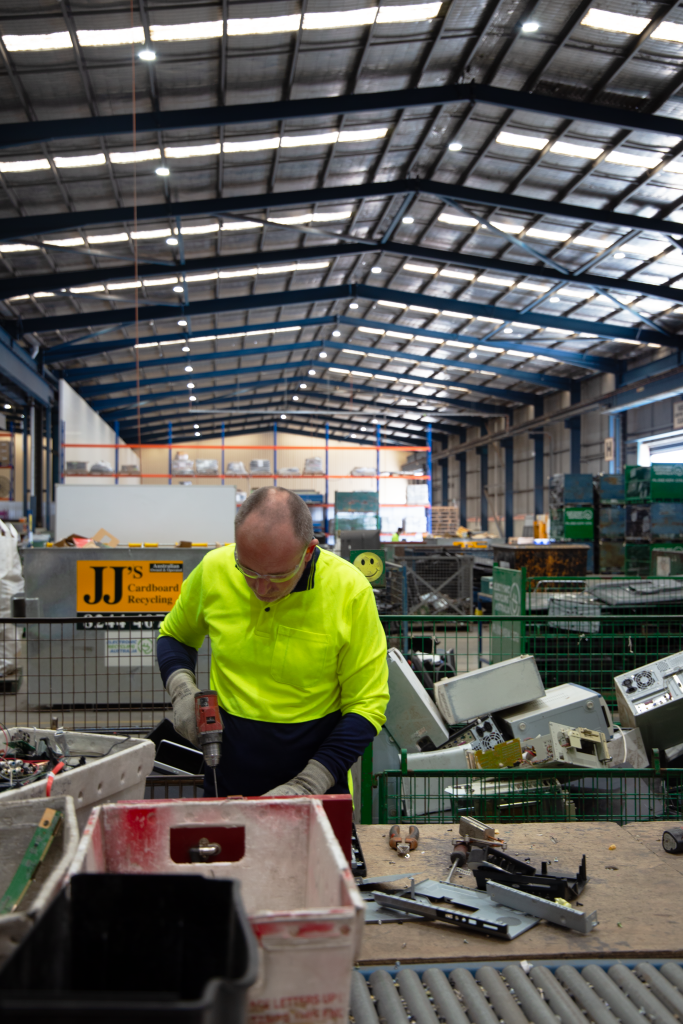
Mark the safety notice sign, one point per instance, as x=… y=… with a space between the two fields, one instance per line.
x=127 y=588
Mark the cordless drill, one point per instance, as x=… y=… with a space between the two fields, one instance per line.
x=209 y=729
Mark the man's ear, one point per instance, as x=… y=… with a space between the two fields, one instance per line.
x=309 y=550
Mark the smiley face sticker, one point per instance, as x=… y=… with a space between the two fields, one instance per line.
x=370 y=564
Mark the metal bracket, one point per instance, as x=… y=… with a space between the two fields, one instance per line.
x=566 y=917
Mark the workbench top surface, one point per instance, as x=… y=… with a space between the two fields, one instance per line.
x=636 y=889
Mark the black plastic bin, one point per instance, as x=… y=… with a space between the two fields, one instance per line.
x=135 y=949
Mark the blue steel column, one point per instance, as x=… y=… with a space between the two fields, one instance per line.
x=170 y=454
x=508 y=448
x=327 y=480
x=573 y=424
x=379 y=444
x=48 y=466
x=274 y=454
x=25 y=460
x=116 y=451
x=222 y=454
x=483 y=454
x=538 y=474
x=462 y=459
x=429 y=474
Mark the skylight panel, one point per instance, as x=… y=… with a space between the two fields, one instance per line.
x=610 y=21
x=551 y=236
x=43 y=295
x=460 y=316
x=251 y=145
x=394 y=305
x=185 y=152
x=546 y=359
x=121 y=236
x=334 y=369
x=670 y=31
x=226 y=274
x=86 y=289
x=574 y=149
x=460 y=275
x=111 y=36
x=18 y=298
x=573 y=293
x=18 y=247
x=135 y=156
x=489 y=348
x=199 y=229
x=425 y=309
x=408 y=12
x=263 y=26
x=649 y=160
x=241 y=225
x=151 y=233
x=531 y=286
x=65 y=243
x=340 y=19
x=362 y=134
x=157 y=282
x=23 y=166
x=510 y=229
x=418 y=268
x=202 y=277
x=88 y=160
x=490 y=320
x=645 y=249
x=291 y=267
x=452 y=218
x=651 y=305
x=360 y=373
x=521 y=141
x=516 y=352
x=319 y=139
x=46 y=41
x=308 y=218
x=399 y=334
x=190 y=31
x=119 y=286
x=594 y=243
x=502 y=282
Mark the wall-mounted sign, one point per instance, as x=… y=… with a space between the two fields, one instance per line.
x=127 y=588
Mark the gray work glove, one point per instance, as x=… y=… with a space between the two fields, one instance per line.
x=181 y=687
x=314 y=780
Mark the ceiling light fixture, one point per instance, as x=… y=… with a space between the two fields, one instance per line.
x=303 y=386
x=376 y=270
x=311 y=373
x=185 y=348
x=472 y=355
x=336 y=334
x=147 y=55
x=283 y=416
x=190 y=385
x=182 y=323
x=619 y=255
x=322 y=355
x=195 y=426
x=507 y=330
x=171 y=241
x=192 y=397
x=455 y=147
x=188 y=369
x=197 y=434
x=407 y=220
x=530 y=26
x=163 y=172
x=353 y=305
x=7 y=406
x=295 y=398
x=178 y=288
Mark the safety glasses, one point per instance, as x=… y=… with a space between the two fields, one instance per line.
x=282 y=577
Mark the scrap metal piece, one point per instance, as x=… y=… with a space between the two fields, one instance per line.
x=527 y=879
x=566 y=917
x=474 y=829
x=370 y=883
x=472 y=910
x=586 y=748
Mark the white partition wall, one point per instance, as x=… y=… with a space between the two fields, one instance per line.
x=82 y=424
x=203 y=515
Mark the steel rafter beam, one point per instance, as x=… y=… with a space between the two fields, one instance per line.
x=22 y=227
x=306 y=296
x=109 y=389
x=102 y=275
x=239 y=392
x=19 y=369
x=332 y=106
x=108 y=370
x=336 y=433
x=72 y=350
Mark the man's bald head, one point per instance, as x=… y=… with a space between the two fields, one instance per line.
x=274 y=509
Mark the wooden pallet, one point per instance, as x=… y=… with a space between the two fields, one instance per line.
x=445 y=520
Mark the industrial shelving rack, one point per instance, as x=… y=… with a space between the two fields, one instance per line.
x=12 y=466
x=169 y=476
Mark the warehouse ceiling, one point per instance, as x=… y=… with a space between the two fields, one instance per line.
x=407 y=214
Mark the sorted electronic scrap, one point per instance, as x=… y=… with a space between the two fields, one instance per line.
x=517 y=874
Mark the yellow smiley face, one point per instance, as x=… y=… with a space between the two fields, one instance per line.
x=370 y=564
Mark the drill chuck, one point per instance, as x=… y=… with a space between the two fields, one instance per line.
x=211 y=751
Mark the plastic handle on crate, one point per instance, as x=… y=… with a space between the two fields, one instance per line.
x=51 y=776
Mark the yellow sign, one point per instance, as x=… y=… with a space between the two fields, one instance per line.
x=127 y=587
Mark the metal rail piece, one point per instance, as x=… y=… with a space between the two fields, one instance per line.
x=566 y=917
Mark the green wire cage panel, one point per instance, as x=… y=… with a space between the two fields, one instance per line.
x=589 y=649
x=516 y=795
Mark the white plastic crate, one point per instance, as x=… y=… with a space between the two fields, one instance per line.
x=116 y=768
x=297 y=887
x=18 y=822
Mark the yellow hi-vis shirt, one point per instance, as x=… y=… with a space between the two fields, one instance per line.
x=318 y=650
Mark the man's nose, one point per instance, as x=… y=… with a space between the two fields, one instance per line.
x=262 y=587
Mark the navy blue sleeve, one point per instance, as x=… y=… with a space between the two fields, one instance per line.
x=345 y=744
x=172 y=655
